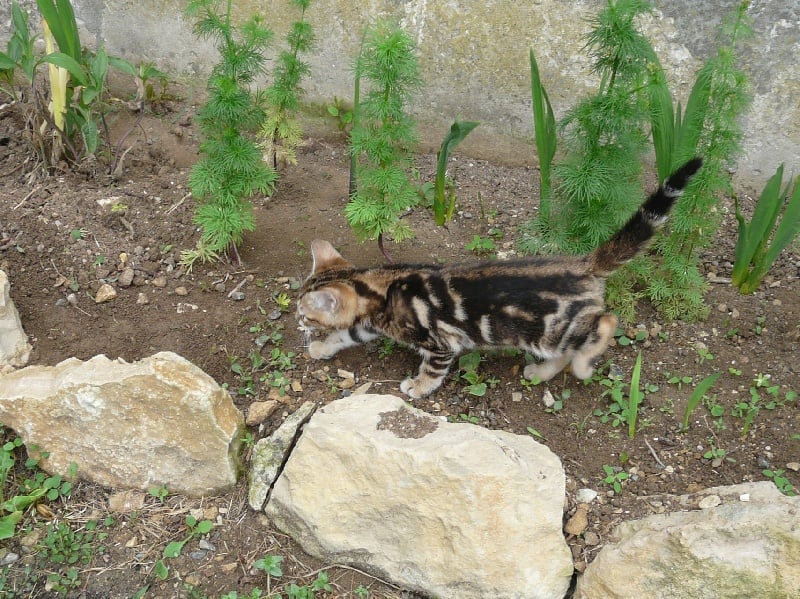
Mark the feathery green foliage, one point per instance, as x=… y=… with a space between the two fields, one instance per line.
x=759 y=241
x=383 y=135
x=231 y=168
x=596 y=185
x=281 y=133
x=709 y=128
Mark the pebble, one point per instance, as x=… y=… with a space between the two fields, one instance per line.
x=183 y=308
x=236 y=296
x=182 y=291
x=516 y=396
x=547 y=399
x=709 y=501
x=72 y=299
x=142 y=299
x=259 y=411
x=126 y=277
x=205 y=545
x=591 y=538
x=579 y=521
x=274 y=315
x=793 y=466
x=9 y=558
x=160 y=281
x=585 y=495
x=105 y=293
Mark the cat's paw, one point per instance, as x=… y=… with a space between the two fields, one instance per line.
x=319 y=351
x=414 y=388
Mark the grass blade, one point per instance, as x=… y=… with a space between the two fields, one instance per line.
x=458 y=131
x=662 y=123
x=697 y=395
x=544 y=122
x=634 y=397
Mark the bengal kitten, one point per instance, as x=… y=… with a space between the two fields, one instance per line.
x=550 y=306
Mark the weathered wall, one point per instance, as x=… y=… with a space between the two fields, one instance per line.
x=474 y=57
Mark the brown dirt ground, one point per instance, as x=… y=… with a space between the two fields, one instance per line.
x=756 y=334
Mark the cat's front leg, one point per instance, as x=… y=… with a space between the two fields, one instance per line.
x=431 y=373
x=339 y=340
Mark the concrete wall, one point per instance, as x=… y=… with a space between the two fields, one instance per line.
x=474 y=58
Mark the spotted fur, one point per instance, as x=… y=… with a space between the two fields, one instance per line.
x=550 y=306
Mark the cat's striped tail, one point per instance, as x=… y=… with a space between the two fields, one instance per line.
x=634 y=235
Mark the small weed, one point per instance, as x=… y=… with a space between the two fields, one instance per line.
x=783 y=484
x=535 y=434
x=386 y=348
x=174 y=548
x=715 y=454
x=482 y=246
x=558 y=401
x=624 y=340
x=247 y=440
x=759 y=326
x=678 y=380
x=703 y=355
x=614 y=477
x=283 y=301
x=160 y=492
x=697 y=395
x=79 y=233
x=470 y=418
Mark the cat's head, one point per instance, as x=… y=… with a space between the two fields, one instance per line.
x=327 y=300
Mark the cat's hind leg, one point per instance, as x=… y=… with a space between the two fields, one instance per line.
x=339 y=340
x=432 y=371
x=594 y=346
x=546 y=370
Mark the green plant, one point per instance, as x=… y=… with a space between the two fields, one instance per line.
x=478 y=383
x=271 y=565
x=614 y=477
x=715 y=454
x=173 y=549
x=283 y=301
x=385 y=348
x=624 y=340
x=697 y=395
x=544 y=122
x=703 y=354
x=783 y=484
x=383 y=136
x=596 y=183
x=710 y=127
x=635 y=396
x=281 y=132
x=160 y=492
x=20 y=53
x=759 y=241
x=444 y=205
x=481 y=245
x=231 y=168
x=342 y=113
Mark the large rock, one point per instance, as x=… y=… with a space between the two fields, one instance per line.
x=159 y=421
x=14 y=347
x=450 y=510
x=748 y=546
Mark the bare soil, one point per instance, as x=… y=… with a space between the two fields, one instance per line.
x=143 y=219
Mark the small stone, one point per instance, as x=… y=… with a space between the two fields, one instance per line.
x=345 y=374
x=362 y=389
x=579 y=521
x=61 y=303
x=9 y=558
x=182 y=308
x=585 y=495
x=722 y=307
x=132 y=542
x=182 y=291
x=142 y=299
x=346 y=384
x=793 y=466
x=126 y=502
x=709 y=501
x=160 y=281
x=591 y=538
x=106 y=293
x=205 y=545
x=744 y=497
x=236 y=296
x=72 y=299
x=516 y=396
x=734 y=313
x=297 y=386
x=219 y=287
x=126 y=277
x=274 y=315
x=259 y=411
x=547 y=399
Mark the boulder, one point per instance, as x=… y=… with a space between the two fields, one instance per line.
x=449 y=510
x=748 y=545
x=158 y=421
x=14 y=347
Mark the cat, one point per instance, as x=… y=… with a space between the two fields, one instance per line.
x=550 y=306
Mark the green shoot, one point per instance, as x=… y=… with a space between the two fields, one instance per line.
x=443 y=207
x=697 y=395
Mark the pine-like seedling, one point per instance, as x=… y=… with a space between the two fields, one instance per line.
x=596 y=184
x=231 y=169
x=384 y=135
x=281 y=132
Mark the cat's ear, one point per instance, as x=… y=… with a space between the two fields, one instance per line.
x=325 y=257
x=324 y=301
